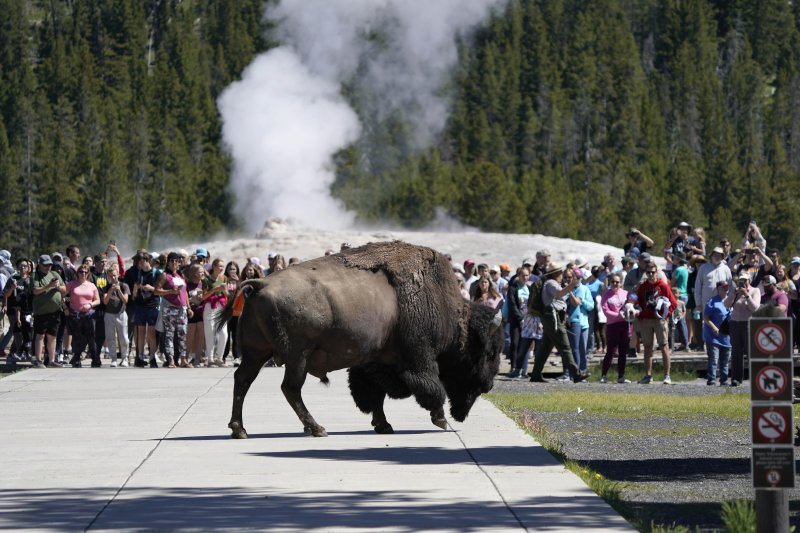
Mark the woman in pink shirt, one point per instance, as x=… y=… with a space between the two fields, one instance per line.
x=617 y=328
x=83 y=298
x=175 y=310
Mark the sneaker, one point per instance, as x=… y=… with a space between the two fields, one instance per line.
x=667 y=380
x=237 y=362
x=11 y=359
x=113 y=363
x=723 y=383
x=632 y=353
x=603 y=379
x=710 y=382
x=513 y=374
x=55 y=364
x=734 y=383
x=563 y=379
x=153 y=362
x=36 y=363
x=646 y=380
x=623 y=380
x=123 y=361
x=224 y=364
x=139 y=362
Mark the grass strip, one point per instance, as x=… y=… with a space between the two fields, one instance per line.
x=626 y=405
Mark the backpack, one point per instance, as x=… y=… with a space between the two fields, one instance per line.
x=535 y=303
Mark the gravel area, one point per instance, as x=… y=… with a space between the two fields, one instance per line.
x=674 y=470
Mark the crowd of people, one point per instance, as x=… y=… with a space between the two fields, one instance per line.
x=160 y=309
x=700 y=300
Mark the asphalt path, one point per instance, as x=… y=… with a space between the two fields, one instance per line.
x=148 y=449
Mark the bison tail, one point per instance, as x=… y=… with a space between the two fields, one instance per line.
x=236 y=304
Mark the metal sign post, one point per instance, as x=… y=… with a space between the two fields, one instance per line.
x=772 y=420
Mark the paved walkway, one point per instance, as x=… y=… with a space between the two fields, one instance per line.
x=130 y=449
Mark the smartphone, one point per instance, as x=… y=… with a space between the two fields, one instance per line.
x=741 y=283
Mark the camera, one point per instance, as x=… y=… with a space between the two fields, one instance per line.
x=741 y=283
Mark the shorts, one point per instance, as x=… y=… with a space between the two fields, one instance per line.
x=145 y=316
x=47 y=324
x=650 y=327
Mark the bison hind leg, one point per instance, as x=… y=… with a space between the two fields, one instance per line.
x=237 y=430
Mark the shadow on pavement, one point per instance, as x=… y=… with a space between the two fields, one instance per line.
x=667 y=470
x=405 y=455
x=218 y=508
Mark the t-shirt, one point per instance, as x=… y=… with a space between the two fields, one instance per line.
x=549 y=290
x=778 y=298
x=115 y=305
x=146 y=299
x=680 y=279
x=20 y=298
x=81 y=294
x=50 y=300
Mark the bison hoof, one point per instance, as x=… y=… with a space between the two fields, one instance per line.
x=317 y=431
x=439 y=422
x=384 y=428
x=238 y=431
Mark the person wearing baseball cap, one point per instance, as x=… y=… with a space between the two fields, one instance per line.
x=773 y=294
x=469 y=273
x=542 y=262
x=554 y=325
x=678 y=242
x=716 y=334
x=743 y=301
x=500 y=283
x=48 y=292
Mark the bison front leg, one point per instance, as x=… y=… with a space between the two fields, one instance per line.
x=242 y=379
x=367 y=386
x=429 y=393
x=293 y=379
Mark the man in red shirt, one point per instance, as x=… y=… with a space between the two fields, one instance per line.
x=657 y=302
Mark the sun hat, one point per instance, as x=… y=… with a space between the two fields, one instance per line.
x=718 y=250
x=555 y=268
x=45 y=260
x=698 y=258
x=580 y=262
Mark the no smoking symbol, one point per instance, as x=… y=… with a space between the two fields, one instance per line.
x=773 y=477
x=772 y=425
x=771 y=381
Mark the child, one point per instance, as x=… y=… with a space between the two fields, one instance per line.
x=678 y=320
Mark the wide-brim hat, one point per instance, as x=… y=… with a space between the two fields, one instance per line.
x=580 y=262
x=554 y=269
x=719 y=251
x=698 y=258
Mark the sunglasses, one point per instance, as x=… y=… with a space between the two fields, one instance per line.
x=650 y=272
x=84 y=272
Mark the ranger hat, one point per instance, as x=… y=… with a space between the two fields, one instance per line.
x=554 y=269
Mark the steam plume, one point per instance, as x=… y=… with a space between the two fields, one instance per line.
x=286 y=118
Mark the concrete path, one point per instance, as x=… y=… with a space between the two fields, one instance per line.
x=148 y=449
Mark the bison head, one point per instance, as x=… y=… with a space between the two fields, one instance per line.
x=471 y=372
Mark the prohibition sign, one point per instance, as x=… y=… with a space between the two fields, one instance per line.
x=772 y=425
x=770 y=338
x=771 y=381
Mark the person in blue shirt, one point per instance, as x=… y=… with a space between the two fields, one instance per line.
x=717 y=338
x=579 y=304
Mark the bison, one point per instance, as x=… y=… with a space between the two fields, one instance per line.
x=389 y=312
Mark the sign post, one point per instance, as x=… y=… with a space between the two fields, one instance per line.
x=772 y=420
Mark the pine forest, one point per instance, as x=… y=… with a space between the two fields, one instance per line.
x=573 y=118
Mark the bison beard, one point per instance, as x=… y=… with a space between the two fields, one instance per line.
x=390 y=312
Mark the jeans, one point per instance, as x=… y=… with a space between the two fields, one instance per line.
x=618 y=339
x=740 y=344
x=521 y=359
x=578 y=338
x=723 y=354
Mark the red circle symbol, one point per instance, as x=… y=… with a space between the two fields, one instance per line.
x=770 y=339
x=771 y=381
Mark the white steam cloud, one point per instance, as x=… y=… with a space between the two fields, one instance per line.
x=286 y=118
